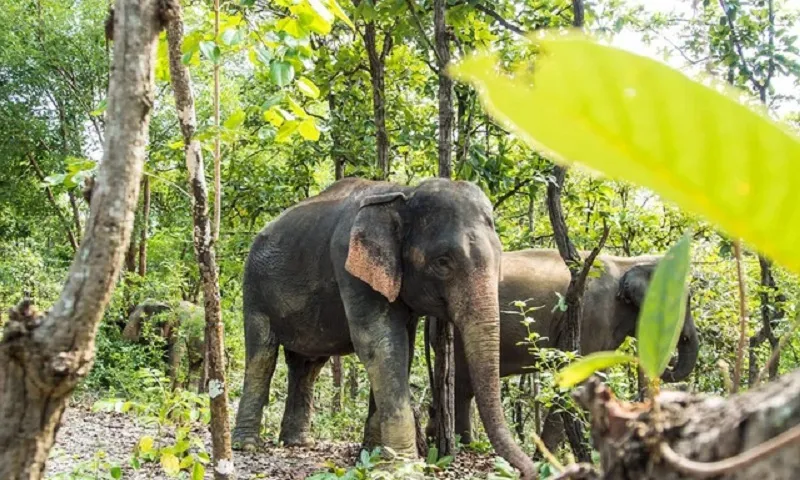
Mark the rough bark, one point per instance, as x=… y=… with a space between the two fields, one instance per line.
x=700 y=428
x=771 y=312
x=203 y=245
x=42 y=358
x=377 y=73
x=444 y=363
x=52 y=199
x=145 y=223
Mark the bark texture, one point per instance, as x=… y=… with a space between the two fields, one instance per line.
x=697 y=427
x=203 y=245
x=43 y=357
x=444 y=366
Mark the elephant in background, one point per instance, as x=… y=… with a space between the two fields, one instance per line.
x=352 y=269
x=611 y=306
x=182 y=329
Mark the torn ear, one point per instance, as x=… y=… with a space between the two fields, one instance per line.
x=374 y=252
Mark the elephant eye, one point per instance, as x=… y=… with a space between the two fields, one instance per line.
x=442 y=265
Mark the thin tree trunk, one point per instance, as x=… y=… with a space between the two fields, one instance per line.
x=217 y=155
x=204 y=249
x=444 y=373
x=42 y=358
x=338 y=162
x=568 y=335
x=145 y=224
x=76 y=214
x=377 y=72
x=352 y=380
x=40 y=174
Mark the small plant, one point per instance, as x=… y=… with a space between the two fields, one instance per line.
x=98 y=468
x=187 y=454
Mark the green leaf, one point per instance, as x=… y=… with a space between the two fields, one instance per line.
x=263 y=55
x=339 y=13
x=307 y=87
x=146 y=444
x=641 y=121
x=585 y=367
x=101 y=107
x=198 y=471
x=170 y=464
x=282 y=73
x=286 y=130
x=272 y=101
x=232 y=36
x=662 y=313
x=235 y=120
x=210 y=50
x=116 y=472
x=56 y=179
x=308 y=130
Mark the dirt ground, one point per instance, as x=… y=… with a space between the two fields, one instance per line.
x=84 y=433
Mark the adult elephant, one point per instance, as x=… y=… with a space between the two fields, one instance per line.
x=352 y=269
x=611 y=304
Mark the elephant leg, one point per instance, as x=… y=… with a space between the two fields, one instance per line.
x=261 y=354
x=552 y=431
x=372 y=428
x=382 y=345
x=303 y=373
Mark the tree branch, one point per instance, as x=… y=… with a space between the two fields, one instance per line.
x=518 y=185
x=499 y=19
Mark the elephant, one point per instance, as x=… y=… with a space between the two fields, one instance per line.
x=182 y=331
x=351 y=269
x=611 y=305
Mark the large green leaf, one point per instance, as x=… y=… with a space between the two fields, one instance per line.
x=583 y=368
x=639 y=120
x=282 y=73
x=662 y=313
x=210 y=50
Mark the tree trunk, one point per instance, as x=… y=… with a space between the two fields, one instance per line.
x=566 y=332
x=145 y=223
x=444 y=363
x=204 y=249
x=42 y=358
x=702 y=428
x=377 y=72
x=352 y=380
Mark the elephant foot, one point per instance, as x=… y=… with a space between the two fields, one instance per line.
x=301 y=440
x=246 y=442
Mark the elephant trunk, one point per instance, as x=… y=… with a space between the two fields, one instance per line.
x=687 y=353
x=480 y=331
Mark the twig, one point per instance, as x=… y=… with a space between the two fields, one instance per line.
x=776 y=353
x=737 y=368
x=731 y=464
x=738 y=45
x=502 y=21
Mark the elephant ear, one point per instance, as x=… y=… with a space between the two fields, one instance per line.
x=374 y=252
x=633 y=284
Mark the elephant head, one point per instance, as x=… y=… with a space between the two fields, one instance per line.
x=632 y=288
x=435 y=249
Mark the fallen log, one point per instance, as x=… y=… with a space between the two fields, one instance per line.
x=753 y=435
